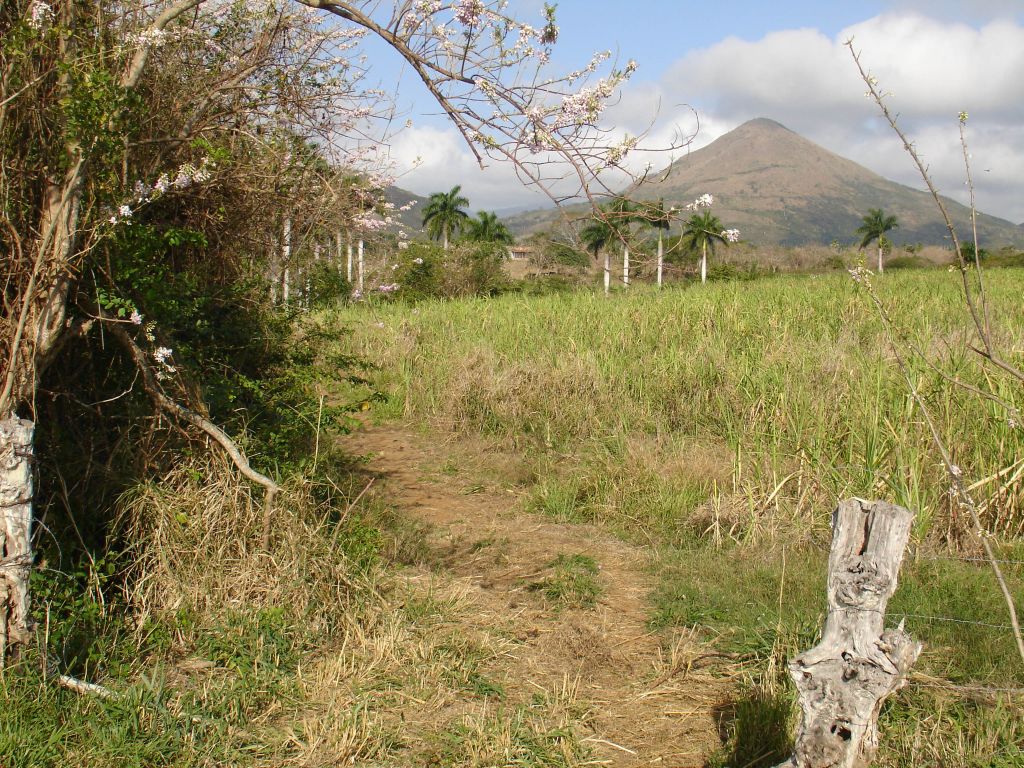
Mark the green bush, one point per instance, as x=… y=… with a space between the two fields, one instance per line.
x=906 y=262
x=327 y=285
x=426 y=271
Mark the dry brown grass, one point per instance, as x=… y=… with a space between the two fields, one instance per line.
x=370 y=668
x=194 y=539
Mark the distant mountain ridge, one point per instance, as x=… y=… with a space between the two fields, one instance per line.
x=777 y=187
x=411 y=219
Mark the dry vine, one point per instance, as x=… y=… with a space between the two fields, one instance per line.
x=974 y=298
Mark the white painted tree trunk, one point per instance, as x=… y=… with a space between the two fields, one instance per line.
x=337 y=249
x=661 y=256
x=843 y=681
x=625 y=266
x=348 y=268
x=607 y=273
x=16 y=454
x=704 y=263
x=880 y=266
x=286 y=256
x=360 y=264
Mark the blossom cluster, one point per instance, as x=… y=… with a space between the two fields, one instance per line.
x=388 y=287
x=704 y=201
x=153 y=37
x=467 y=12
x=184 y=177
x=861 y=275
x=39 y=14
x=162 y=355
x=371 y=223
x=586 y=105
x=617 y=153
x=731 y=235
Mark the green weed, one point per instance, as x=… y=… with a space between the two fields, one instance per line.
x=573 y=581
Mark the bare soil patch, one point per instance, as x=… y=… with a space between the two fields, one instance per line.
x=646 y=701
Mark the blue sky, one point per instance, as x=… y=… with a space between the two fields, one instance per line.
x=738 y=59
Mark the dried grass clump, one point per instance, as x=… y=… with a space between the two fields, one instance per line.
x=194 y=540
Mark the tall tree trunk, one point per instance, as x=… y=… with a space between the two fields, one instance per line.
x=704 y=263
x=625 y=266
x=360 y=264
x=36 y=337
x=607 y=273
x=348 y=266
x=337 y=249
x=880 y=267
x=286 y=257
x=16 y=455
x=661 y=256
x=446 y=239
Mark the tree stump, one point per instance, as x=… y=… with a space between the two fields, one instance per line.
x=843 y=681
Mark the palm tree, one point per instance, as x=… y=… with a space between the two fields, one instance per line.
x=623 y=213
x=488 y=228
x=595 y=236
x=875 y=225
x=658 y=218
x=703 y=230
x=443 y=215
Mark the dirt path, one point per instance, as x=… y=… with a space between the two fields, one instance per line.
x=646 y=707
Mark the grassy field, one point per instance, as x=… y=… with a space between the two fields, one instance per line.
x=720 y=424
x=733 y=411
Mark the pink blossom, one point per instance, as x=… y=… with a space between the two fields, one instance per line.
x=467 y=12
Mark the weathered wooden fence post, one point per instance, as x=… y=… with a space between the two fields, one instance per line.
x=843 y=681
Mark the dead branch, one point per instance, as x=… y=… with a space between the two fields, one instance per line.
x=152 y=386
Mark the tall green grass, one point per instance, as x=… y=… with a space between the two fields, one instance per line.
x=723 y=409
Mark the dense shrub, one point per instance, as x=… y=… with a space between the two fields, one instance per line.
x=426 y=271
x=906 y=262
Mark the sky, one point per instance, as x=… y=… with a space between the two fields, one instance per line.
x=734 y=60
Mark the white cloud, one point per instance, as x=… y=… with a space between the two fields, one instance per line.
x=433 y=159
x=933 y=69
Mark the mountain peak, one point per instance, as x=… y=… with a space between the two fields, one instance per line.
x=764 y=124
x=778 y=187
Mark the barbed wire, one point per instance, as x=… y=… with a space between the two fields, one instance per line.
x=969 y=559
x=950 y=619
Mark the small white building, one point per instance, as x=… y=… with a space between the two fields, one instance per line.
x=520 y=252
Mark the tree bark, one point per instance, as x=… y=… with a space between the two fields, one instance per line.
x=661 y=256
x=843 y=681
x=348 y=268
x=360 y=249
x=880 y=267
x=625 y=266
x=286 y=256
x=704 y=263
x=16 y=454
x=607 y=273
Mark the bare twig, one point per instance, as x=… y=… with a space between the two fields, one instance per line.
x=165 y=403
x=958 y=490
x=987 y=351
